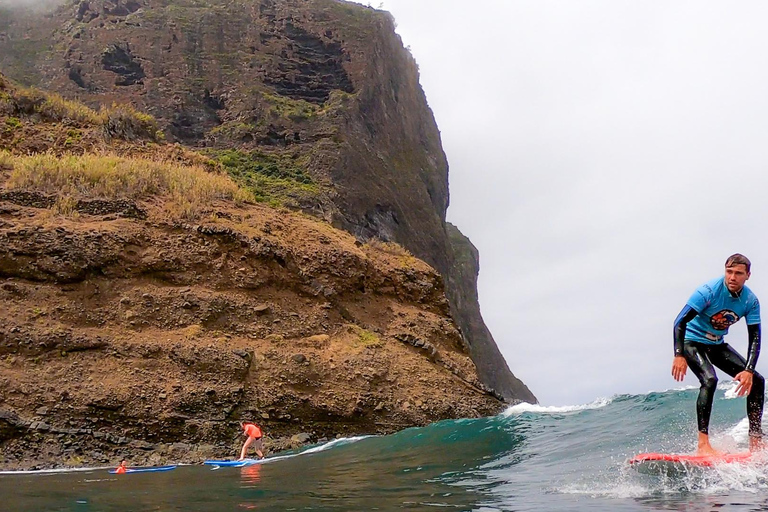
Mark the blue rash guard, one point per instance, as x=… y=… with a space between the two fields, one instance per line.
x=698 y=337
x=717 y=310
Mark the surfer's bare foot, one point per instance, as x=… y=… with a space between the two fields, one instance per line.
x=756 y=443
x=708 y=451
x=705 y=449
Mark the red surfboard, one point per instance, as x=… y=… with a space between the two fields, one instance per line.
x=693 y=460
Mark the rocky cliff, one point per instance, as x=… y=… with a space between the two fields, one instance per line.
x=466 y=311
x=312 y=104
x=322 y=89
x=150 y=302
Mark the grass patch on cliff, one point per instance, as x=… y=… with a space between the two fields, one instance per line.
x=12 y=124
x=192 y=331
x=189 y=189
x=365 y=337
x=118 y=121
x=233 y=130
x=49 y=106
x=272 y=179
x=295 y=110
x=125 y=122
x=403 y=256
x=388 y=247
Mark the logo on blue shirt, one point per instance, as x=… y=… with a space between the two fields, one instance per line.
x=724 y=319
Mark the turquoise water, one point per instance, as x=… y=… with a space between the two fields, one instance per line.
x=529 y=458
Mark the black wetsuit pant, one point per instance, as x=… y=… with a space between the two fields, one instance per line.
x=701 y=358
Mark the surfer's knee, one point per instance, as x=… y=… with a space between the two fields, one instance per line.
x=709 y=383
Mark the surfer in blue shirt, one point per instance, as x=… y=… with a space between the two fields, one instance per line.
x=699 y=345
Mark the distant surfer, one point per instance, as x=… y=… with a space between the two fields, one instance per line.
x=698 y=342
x=121 y=468
x=254 y=434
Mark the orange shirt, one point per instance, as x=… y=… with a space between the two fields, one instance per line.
x=120 y=470
x=252 y=430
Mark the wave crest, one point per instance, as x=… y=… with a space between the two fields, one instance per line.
x=555 y=409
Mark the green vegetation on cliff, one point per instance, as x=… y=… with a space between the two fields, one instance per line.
x=295 y=110
x=274 y=179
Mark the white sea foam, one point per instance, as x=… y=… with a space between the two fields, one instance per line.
x=613 y=490
x=751 y=477
x=315 y=449
x=729 y=387
x=680 y=388
x=331 y=444
x=740 y=431
x=555 y=409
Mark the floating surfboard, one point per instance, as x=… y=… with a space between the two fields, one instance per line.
x=144 y=470
x=691 y=460
x=233 y=463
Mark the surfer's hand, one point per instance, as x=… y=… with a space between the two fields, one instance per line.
x=745 y=383
x=679 y=367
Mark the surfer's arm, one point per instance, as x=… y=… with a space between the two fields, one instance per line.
x=679 y=364
x=753 y=352
x=681 y=322
x=744 y=378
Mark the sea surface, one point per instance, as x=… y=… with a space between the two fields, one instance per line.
x=529 y=458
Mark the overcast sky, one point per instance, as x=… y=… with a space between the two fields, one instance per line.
x=605 y=158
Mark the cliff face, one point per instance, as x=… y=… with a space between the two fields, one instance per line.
x=466 y=308
x=319 y=89
x=148 y=304
x=122 y=335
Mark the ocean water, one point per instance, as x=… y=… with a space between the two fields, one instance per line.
x=529 y=458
